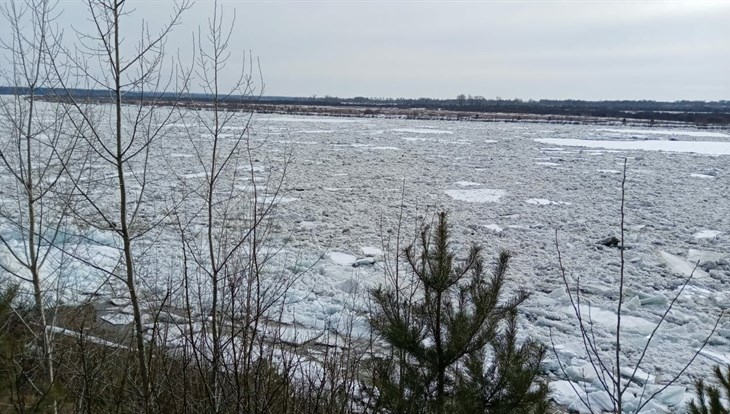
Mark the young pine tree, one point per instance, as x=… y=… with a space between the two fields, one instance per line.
x=709 y=398
x=454 y=342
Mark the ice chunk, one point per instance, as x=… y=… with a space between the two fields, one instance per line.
x=538 y=201
x=671 y=132
x=365 y=261
x=466 y=184
x=308 y=225
x=558 y=294
x=583 y=372
x=697 y=147
x=544 y=202
x=119 y=301
x=672 y=396
x=564 y=392
x=568 y=351
x=608 y=319
x=682 y=267
x=641 y=376
x=653 y=407
x=720 y=358
x=85 y=337
x=599 y=402
x=707 y=234
x=494 y=228
x=704 y=256
x=349 y=286
x=659 y=299
x=118 y=319
x=297 y=335
x=342 y=258
x=633 y=304
x=422 y=131
x=194 y=175
x=480 y=195
x=371 y=251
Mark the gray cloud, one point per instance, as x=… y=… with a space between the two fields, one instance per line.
x=664 y=50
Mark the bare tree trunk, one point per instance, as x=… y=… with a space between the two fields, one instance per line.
x=32 y=138
x=225 y=256
x=125 y=149
x=123 y=219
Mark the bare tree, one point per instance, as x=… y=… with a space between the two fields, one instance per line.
x=113 y=191
x=224 y=222
x=33 y=148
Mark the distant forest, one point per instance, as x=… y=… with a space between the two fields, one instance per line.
x=701 y=113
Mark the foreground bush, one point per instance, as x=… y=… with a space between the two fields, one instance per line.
x=453 y=338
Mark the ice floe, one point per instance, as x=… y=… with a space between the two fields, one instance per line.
x=422 y=131
x=466 y=184
x=707 y=234
x=697 y=147
x=478 y=195
x=340 y=258
x=682 y=267
x=708 y=134
x=544 y=202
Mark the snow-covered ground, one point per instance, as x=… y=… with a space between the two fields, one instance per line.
x=505 y=186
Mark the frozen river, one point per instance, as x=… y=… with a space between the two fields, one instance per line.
x=505 y=186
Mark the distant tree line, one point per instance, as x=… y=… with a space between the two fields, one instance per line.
x=696 y=112
x=699 y=112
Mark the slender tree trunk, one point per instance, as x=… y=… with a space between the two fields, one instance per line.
x=34 y=265
x=124 y=225
x=439 y=356
x=215 y=330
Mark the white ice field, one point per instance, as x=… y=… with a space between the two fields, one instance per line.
x=505 y=186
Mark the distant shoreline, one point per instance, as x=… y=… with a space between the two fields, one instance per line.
x=449 y=115
x=440 y=114
x=698 y=114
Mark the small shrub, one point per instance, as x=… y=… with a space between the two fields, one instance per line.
x=454 y=341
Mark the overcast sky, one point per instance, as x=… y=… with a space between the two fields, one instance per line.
x=662 y=50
